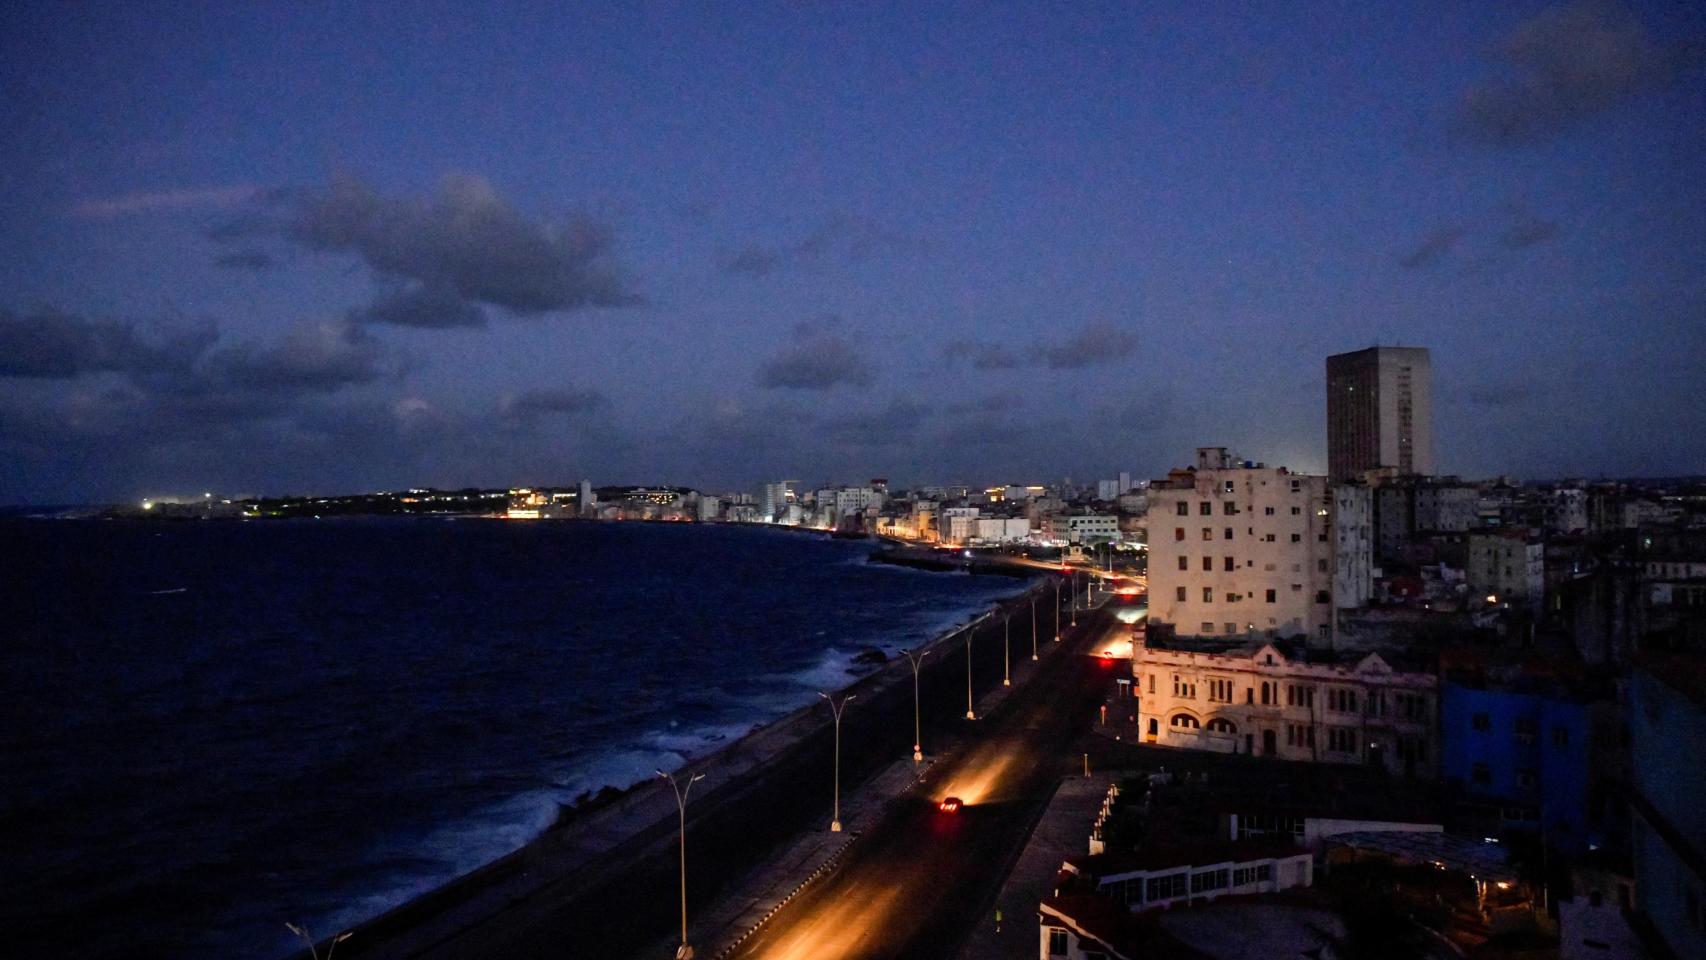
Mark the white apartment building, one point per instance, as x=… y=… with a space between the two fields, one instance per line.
x=1088 y=528
x=957 y=525
x=1509 y=565
x=1240 y=548
x=1003 y=529
x=1258 y=699
x=710 y=508
x=851 y=500
x=1353 y=546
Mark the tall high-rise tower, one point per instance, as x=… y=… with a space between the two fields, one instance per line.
x=1380 y=412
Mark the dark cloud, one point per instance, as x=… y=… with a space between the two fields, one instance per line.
x=531 y=405
x=311 y=357
x=1564 y=65
x=48 y=344
x=983 y=356
x=1526 y=231
x=244 y=260
x=850 y=239
x=819 y=361
x=1433 y=247
x=443 y=256
x=421 y=306
x=1098 y=343
x=895 y=424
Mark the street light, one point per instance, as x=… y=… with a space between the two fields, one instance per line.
x=835 y=822
x=913 y=658
x=684 y=952
x=1007 y=650
x=1033 y=624
x=970 y=633
x=1056 y=609
x=1074 y=592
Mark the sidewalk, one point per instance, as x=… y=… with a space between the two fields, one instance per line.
x=1063 y=831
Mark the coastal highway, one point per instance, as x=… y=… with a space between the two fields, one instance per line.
x=919 y=879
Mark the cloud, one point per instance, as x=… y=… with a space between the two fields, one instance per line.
x=896 y=424
x=982 y=356
x=441 y=257
x=311 y=357
x=1098 y=343
x=851 y=239
x=1564 y=65
x=244 y=260
x=1433 y=247
x=167 y=201
x=820 y=360
x=1526 y=231
x=48 y=344
x=531 y=405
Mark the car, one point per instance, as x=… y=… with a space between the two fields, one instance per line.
x=949 y=805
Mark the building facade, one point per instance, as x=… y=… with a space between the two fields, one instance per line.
x=1667 y=722
x=1379 y=412
x=1509 y=565
x=1524 y=753
x=1258 y=699
x=1239 y=548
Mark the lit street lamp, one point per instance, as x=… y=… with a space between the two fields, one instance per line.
x=1056 y=609
x=1033 y=624
x=1007 y=650
x=684 y=952
x=913 y=658
x=835 y=822
x=1074 y=592
x=970 y=633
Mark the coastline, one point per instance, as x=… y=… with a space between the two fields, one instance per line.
x=616 y=827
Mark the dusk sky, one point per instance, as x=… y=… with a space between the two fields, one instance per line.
x=292 y=247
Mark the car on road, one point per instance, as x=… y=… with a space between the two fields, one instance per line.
x=949 y=805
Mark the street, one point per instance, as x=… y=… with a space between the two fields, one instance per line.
x=918 y=881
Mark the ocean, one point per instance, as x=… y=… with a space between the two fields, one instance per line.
x=213 y=728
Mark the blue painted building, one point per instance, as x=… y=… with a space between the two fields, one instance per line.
x=1523 y=750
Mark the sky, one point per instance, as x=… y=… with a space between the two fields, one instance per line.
x=293 y=248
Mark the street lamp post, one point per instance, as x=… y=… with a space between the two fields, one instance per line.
x=1056 y=609
x=917 y=741
x=1007 y=650
x=1074 y=592
x=1033 y=624
x=685 y=951
x=835 y=821
x=970 y=713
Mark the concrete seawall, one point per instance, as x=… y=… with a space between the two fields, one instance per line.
x=607 y=875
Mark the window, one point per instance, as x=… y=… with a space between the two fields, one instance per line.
x=1164 y=888
x=1231 y=509
x=1322 y=596
x=1232 y=627
x=1207 y=564
x=1231 y=565
x=1341 y=700
x=1056 y=942
x=1208 y=628
x=1342 y=739
x=1527 y=779
x=1269 y=696
x=1481 y=774
x=1219 y=691
x=1184 y=689
x=1297 y=538
x=1184 y=509
x=1152 y=683
x=1184 y=563
x=1412 y=707
x=1227 y=486
x=1179 y=594
x=1178 y=533
x=1184 y=721
x=1207 y=594
x=1299 y=695
x=1205 y=508
x=1321 y=566
x=1526 y=729
x=1296 y=510
x=1222 y=725
x=1267 y=511
x=1208 y=880
x=1208 y=533
x=1480 y=722
x=1273 y=596
x=1228 y=533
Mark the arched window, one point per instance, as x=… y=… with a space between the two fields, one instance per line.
x=1222 y=725
x=1184 y=720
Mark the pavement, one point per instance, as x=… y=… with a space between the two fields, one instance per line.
x=1063 y=831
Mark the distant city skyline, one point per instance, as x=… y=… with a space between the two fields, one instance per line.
x=266 y=250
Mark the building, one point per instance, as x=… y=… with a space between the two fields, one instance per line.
x=1667 y=723
x=1003 y=529
x=1274 y=699
x=1379 y=412
x=1157 y=877
x=1509 y=565
x=1353 y=545
x=1081 y=528
x=586 y=501
x=957 y=525
x=774 y=501
x=1240 y=548
x=1521 y=751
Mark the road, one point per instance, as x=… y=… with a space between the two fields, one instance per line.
x=914 y=884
